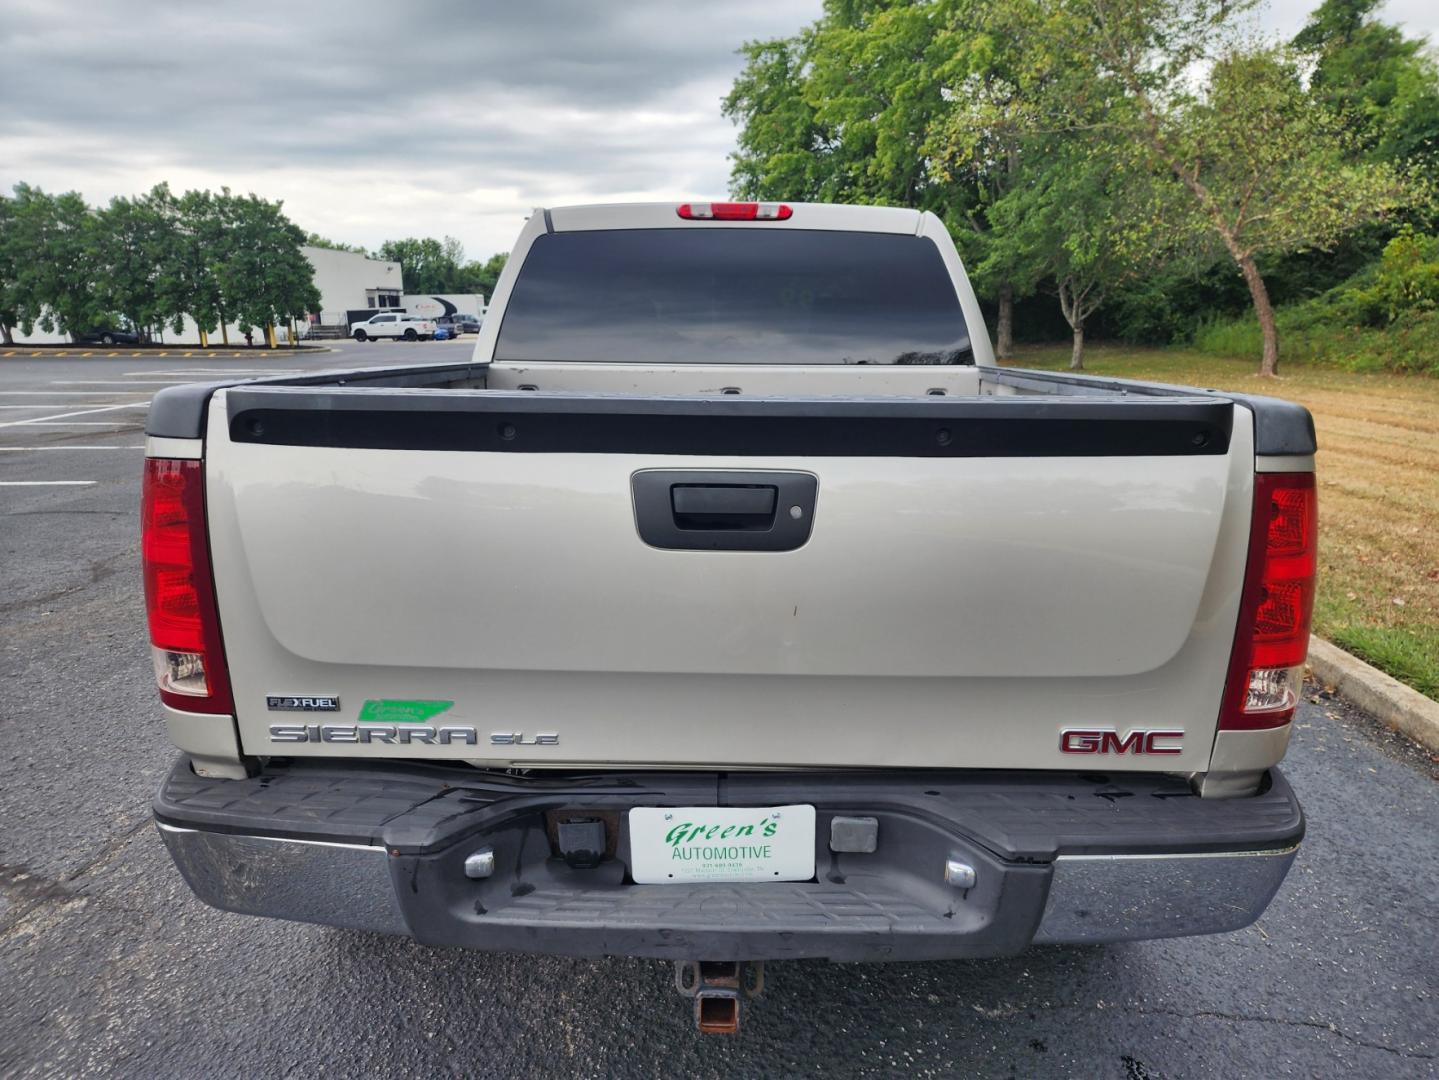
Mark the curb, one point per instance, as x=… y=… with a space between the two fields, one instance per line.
x=195 y=352
x=1400 y=707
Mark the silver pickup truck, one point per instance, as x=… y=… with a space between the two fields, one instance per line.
x=731 y=604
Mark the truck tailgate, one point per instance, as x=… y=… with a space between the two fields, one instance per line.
x=972 y=579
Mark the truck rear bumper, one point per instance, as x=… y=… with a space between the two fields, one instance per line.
x=1057 y=859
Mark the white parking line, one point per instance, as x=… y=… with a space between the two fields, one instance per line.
x=219 y=371
x=120 y=382
x=68 y=393
x=17 y=449
x=70 y=423
x=47 y=483
x=76 y=405
x=46 y=420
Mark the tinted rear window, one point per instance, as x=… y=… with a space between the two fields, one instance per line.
x=734 y=296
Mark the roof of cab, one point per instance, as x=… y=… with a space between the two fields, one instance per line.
x=665 y=215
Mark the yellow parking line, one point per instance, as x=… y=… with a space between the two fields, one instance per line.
x=37 y=354
x=112 y=354
x=188 y=354
x=87 y=354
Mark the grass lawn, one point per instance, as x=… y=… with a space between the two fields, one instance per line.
x=1378 y=468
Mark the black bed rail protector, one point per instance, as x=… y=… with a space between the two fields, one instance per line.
x=1281 y=428
x=537 y=422
x=178 y=412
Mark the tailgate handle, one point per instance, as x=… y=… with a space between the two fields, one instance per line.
x=723 y=510
x=723 y=506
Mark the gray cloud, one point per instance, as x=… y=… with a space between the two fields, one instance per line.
x=376 y=120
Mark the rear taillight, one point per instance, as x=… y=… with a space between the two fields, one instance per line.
x=179 y=592
x=734 y=211
x=1272 y=639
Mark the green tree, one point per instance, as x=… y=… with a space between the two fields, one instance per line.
x=894 y=103
x=1087 y=222
x=200 y=248
x=782 y=152
x=316 y=240
x=1273 y=172
x=9 y=270
x=1269 y=170
x=56 y=273
x=171 y=295
x=480 y=277
x=265 y=277
x=998 y=83
x=426 y=265
x=134 y=243
x=1383 y=85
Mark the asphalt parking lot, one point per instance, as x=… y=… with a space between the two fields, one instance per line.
x=109 y=966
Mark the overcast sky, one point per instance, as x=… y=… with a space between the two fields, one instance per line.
x=373 y=121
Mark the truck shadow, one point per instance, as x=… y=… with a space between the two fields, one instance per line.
x=623 y=1016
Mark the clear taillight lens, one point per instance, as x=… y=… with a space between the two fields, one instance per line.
x=1271 y=640
x=180 y=672
x=1272 y=689
x=179 y=593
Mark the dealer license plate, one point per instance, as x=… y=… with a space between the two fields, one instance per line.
x=721 y=843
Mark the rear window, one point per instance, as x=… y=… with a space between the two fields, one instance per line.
x=734 y=296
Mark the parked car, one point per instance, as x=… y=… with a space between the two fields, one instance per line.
x=459 y=324
x=393 y=325
x=782 y=623
x=108 y=336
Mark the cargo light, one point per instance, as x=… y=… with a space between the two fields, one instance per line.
x=1271 y=642
x=179 y=592
x=734 y=211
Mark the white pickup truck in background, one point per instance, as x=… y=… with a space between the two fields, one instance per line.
x=393 y=325
x=731 y=605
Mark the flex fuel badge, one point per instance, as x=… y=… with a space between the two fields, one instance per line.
x=401 y=710
x=302 y=702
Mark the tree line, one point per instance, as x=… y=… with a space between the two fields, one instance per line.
x=1143 y=158
x=150 y=261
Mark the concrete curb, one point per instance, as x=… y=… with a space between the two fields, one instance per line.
x=1400 y=707
x=178 y=352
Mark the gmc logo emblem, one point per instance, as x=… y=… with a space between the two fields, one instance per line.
x=1138 y=741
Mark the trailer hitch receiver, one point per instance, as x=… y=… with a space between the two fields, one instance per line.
x=717 y=987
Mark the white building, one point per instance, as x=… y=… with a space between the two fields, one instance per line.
x=351 y=284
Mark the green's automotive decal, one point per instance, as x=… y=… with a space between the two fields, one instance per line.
x=401 y=711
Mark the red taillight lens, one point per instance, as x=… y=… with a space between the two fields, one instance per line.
x=734 y=211
x=1272 y=638
x=179 y=592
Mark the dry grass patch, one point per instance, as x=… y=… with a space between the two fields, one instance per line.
x=1378 y=468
